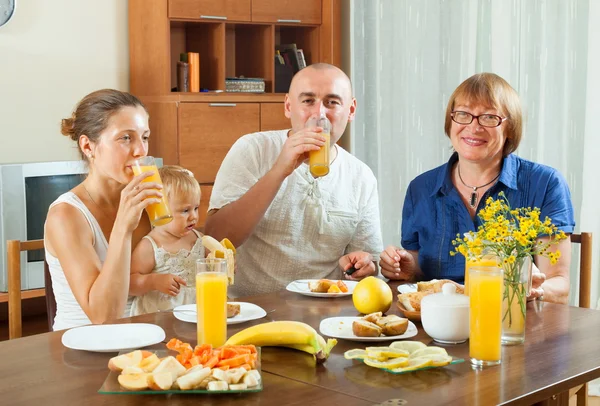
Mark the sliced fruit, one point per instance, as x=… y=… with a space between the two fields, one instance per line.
x=228 y=244
x=386 y=352
x=149 y=363
x=342 y=286
x=439 y=360
x=410 y=346
x=134 y=381
x=355 y=354
x=120 y=362
x=334 y=289
x=388 y=364
x=160 y=381
x=428 y=351
x=413 y=364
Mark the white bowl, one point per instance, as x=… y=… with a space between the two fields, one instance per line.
x=445 y=316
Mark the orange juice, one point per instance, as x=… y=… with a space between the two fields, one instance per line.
x=486 y=260
x=319 y=160
x=158 y=213
x=485 y=328
x=211 y=306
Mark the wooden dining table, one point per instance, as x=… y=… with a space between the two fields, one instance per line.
x=561 y=351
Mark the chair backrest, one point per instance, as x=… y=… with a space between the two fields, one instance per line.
x=50 y=299
x=14 y=248
x=585 y=268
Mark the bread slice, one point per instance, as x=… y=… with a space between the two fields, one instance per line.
x=435 y=286
x=412 y=301
x=363 y=328
x=320 y=286
x=232 y=310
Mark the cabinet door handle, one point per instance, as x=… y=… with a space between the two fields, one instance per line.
x=223 y=104
x=288 y=21
x=214 y=17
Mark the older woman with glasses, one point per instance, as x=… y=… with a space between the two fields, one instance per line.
x=484 y=124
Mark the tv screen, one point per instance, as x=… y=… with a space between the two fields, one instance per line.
x=40 y=192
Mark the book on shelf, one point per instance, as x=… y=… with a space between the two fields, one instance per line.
x=289 y=53
x=243 y=84
x=301 y=59
x=183 y=76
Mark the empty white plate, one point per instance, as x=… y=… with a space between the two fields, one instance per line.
x=248 y=311
x=113 y=337
x=301 y=286
x=341 y=327
x=407 y=288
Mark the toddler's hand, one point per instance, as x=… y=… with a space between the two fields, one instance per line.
x=168 y=284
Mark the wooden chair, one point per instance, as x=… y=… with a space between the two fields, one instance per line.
x=585 y=283
x=14 y=249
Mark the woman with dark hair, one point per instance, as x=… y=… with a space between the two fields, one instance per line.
x=484 y=124
x=91 y=230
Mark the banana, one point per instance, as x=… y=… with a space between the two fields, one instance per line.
x=291 y=334
x=221 y=250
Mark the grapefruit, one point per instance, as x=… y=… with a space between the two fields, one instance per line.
x=372 y=295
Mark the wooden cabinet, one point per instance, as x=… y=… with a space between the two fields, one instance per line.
x=196 y=130
x=272 y=117
x=239 y=10
x=205 y=192
x=208 y=130
x=287 y=11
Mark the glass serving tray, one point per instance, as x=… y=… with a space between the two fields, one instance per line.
x=111 y=385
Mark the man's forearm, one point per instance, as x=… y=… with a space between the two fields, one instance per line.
x=237 y=220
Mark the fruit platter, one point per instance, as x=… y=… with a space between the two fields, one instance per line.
x=202 y=369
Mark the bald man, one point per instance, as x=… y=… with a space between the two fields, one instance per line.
x=287 y=224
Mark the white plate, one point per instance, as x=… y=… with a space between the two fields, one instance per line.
x=341 y=327
x=113 y=337
x=301 y=286
x=407 y=288
x=248 y=311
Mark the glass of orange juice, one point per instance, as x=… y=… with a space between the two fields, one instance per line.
x=486 y=285
x=159 y=213
x=211 y=301
x=486 y=260
x=318 y=161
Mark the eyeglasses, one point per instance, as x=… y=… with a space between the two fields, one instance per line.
x=485 y=120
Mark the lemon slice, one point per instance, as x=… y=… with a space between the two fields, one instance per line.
x=387 y=352
x=355 y=354
x=439 y=360
x=389 y=364
x=428 y=351
x=410 y=346
x=414 y=364
x=228 y=244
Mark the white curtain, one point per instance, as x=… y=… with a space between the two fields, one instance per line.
x=407 y=56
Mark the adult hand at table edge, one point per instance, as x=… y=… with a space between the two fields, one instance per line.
x=363 y=263
x=397 y=263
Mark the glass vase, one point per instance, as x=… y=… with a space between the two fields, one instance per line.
x=517 y=283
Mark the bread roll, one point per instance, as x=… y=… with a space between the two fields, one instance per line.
x=373 y=317
x=412 y=301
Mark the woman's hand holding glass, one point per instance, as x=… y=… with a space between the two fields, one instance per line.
x=397 y=263
x=135 y=197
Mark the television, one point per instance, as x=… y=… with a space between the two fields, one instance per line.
x=26 y=192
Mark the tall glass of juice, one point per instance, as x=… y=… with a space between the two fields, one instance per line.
x=159 y=213
x=486 y=286
x=211 y=301
x=486 y=260
x=318 y=161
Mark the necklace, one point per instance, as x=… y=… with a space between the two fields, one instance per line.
x=93 y=201
x=474 y=193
